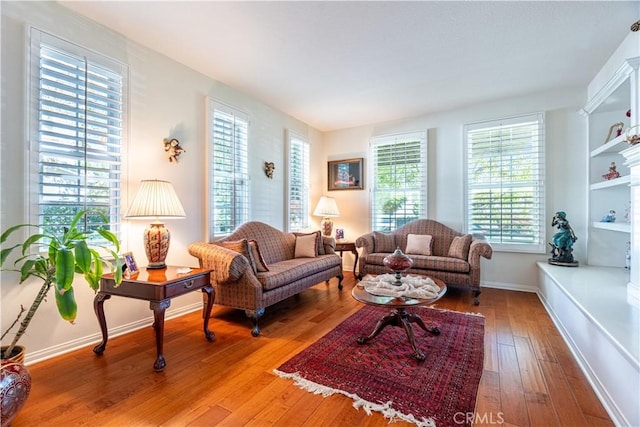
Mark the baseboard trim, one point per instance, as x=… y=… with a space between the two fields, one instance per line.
x=69 y=346
x=509 y=287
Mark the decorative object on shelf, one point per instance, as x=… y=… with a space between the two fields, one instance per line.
x=613 y=173
x=633 y=138
x=397 y=262
x=327 y=208
x=627 y=212
x=345 y=175
x=628 y=114
x=610 y=217
x=173 y=149
x=617 y=127
x=156 y=200
x=15 y=385
x=269 y=167
x=627 y=257
x=339 y=233
x=563 y=240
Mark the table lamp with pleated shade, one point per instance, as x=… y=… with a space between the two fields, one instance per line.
x=327 y=208
x=156 y=200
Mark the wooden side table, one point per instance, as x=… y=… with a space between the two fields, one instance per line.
x=157 y=287
x=343 y=245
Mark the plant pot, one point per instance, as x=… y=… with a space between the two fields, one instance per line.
x=17 y=354
x=15 y=385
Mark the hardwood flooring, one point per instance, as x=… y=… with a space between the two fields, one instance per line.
x=529 y=379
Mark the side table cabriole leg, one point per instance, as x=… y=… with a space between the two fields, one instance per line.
x=159 y=307
x=98 y=308
x=208 y=290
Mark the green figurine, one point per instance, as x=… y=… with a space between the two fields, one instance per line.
x=563 y=240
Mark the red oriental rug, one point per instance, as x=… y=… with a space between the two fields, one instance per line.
x=381 y=375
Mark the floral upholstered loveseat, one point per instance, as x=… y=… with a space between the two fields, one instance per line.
x=258 y=265
x=436 y=250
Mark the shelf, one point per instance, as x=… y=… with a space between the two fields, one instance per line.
x=622 y=227
x=623 y=180
x=616 y=145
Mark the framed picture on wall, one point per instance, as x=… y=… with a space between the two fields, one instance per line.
x=346 y=175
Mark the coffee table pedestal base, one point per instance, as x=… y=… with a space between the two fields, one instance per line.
x=400 y=318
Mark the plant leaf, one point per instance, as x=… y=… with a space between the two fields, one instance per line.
x=66 y=303
x=65 y=268
x=83 y=256
x=110 y=237
x=5 y=253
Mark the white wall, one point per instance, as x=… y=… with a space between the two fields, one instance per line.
x=565 y=186
x=167 y=99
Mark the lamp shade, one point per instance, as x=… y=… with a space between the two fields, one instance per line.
x=327 y=208
x=156 y=199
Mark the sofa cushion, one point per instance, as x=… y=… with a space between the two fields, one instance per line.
x=242 y=247
x=383 y=242
x=258 y=260
x=423 y=262
x=419 y=244
x=306 y=246
x=460 y=246
x=288 y=271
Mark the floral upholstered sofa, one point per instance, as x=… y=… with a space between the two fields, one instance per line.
x=258 y=265
x=436 y=250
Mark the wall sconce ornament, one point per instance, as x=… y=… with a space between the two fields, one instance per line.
x=269 y=167
x=173 y=149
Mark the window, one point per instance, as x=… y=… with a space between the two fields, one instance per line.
x=298 y=183
x=228 y=169
x=77 y=128
x=399 y=170
x=505 y=182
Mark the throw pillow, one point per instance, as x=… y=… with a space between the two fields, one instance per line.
x=242 y=247
x=383 y=242
x=460 y=247
x=320 y=250
x=306 y=246
x=419 y=244
x=261 y=266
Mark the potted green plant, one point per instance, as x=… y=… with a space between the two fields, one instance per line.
x=56 y=258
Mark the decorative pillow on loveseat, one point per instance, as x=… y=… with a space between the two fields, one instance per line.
x=383 y=242
x=460 y=246
x=419 y=244
x=320 y=250
x=242 y=247
x=306 y=245
x=261 y=266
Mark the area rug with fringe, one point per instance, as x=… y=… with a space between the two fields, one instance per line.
x=381 y=375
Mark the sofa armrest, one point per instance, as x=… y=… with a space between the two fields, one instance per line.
x=365 y=242
x=227 y=265
x=329 y=244
x=480 y=247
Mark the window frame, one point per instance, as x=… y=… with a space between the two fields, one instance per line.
x=239 y=173
x=538 y=244
x=293 y=139
x=88 y=137
x=419 y=137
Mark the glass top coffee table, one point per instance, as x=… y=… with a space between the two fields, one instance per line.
x=399 y=316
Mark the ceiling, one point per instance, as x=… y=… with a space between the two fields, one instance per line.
x=336 y=64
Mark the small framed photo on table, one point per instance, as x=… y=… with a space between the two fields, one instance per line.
x=130 y=262
x=346 y=175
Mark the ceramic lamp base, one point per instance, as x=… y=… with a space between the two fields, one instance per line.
x=156 y=245
x=327 y=226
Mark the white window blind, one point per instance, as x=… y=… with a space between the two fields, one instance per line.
x=298 y=183
x=399 y=170
x=228 y=169
x=77 y=128
x=505 y=182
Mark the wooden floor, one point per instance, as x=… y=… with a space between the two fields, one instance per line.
x=529 y=379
